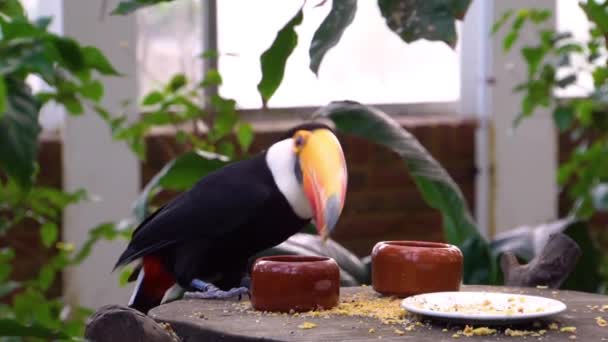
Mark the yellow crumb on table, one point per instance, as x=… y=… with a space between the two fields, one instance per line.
x=568 y=329
x=553 y=326
x=385 y=309
x=601 y=321
x=307 y=325
x=399 y=332
x=481 y=331
x=371 y=330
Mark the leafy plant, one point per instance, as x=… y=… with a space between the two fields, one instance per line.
x=557 y=62
x=28 y=49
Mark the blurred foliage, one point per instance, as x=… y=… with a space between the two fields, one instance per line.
x=70 y=70
x=556 y=62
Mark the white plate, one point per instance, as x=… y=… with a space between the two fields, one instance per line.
x=482 y=307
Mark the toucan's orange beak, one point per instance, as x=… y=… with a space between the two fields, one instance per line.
x=324 y=178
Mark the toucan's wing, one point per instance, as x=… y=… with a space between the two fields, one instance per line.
x=214 y=207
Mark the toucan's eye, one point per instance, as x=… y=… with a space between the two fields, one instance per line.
x=299 y=141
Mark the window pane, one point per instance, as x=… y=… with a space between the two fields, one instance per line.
x=571 y=18
x=169 y=40
x=370 y=64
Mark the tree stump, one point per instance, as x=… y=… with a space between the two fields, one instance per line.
x=115 y=323
x=551 y=268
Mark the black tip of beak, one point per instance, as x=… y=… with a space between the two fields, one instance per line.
x=332 y=212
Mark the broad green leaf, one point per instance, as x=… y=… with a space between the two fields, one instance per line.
x=226 y=148
x=501 y=21
x=179 y=174
x=533 y=56
x=94 y=59
x=596 y=13
x=244 y=135
x=274 y=59
x=436 y=186
x=433 y=20
x=177 y=82
x=563 y=117
x=70 y=53
x=189 y=168
x=14 y=328
x=49 y=233
x=212 y=78
x=46 y=276
x=225 y=119
x=600 y=75
x=72 y=104
x=92 y=90
x=19 y=129
x=330 y=31
x=12 y=8
x=153 y=98
x=128 y=7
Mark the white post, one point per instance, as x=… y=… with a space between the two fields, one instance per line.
x=516 y=181
x=91 y=160
x=525 y=158
x=475 y=57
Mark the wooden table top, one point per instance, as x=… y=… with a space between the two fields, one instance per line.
x=214 y=320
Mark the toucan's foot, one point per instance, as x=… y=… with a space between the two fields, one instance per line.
x=210 y=291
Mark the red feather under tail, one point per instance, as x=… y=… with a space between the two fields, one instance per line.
x=152 y=283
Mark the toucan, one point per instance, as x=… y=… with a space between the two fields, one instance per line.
x=202 y=240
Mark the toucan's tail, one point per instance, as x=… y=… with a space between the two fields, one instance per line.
x=153 y=281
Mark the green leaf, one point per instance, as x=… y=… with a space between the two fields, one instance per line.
x=92 y=90
x=12 y=8
x=176 y=83
x=600 y=75
x=49 y=233
x=94 y=59
x=14 y=328
x=433 y=20
x=3 y=96
x=436 y=186
x=212 y=78
x=533 y=56
x=189 y=168
x=130 y=6
x=596 y=13
x=153 y=98
x=70 y=53
x=600 y=197
x=19 y=129
x=509 y=40
x=226 y=117
x=72 y=104
x=244 y=135
x=273 y=60
x=563 y=117
x=502 y=20
x=330 y=31
x=46 y=277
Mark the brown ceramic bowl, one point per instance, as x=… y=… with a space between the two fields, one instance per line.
x=405 y=268
x=290 y=282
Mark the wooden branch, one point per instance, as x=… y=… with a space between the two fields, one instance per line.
x=114 y=323
x=551 y=268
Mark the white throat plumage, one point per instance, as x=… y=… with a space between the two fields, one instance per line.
x=281 y=161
